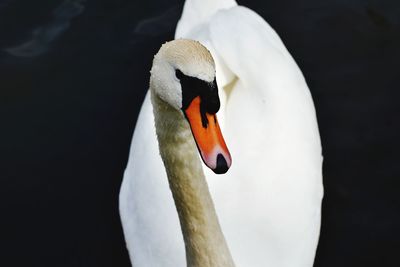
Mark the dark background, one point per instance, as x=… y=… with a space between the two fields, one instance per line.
x=73 y=74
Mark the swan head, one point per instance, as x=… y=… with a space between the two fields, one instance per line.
x=183 y=76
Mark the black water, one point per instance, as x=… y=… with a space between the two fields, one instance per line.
x=73 y=74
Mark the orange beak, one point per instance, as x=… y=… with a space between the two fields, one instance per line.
x=208 y=137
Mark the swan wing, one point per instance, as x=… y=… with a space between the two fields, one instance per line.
x=270 y=200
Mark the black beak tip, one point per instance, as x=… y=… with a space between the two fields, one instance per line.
x=222 y=165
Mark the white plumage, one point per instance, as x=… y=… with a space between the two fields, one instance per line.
x=269 y=202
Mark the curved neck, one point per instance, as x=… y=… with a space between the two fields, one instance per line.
x=204 y=242
x=196 y=12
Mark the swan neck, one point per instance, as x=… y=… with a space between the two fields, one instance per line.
x=205 y=244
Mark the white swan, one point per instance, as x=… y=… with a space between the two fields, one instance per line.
x=268 y=203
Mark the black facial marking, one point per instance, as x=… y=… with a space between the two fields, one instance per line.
x=208 y=92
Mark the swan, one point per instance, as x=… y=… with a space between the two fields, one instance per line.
x=269 y=201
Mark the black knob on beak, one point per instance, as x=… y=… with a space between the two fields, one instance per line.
x=212 y=104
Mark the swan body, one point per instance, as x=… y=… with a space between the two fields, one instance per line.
x=269 y=202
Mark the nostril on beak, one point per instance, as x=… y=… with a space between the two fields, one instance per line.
x=222 y=165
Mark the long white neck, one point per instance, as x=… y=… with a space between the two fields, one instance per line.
x=196 y=12
x=204 y=241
